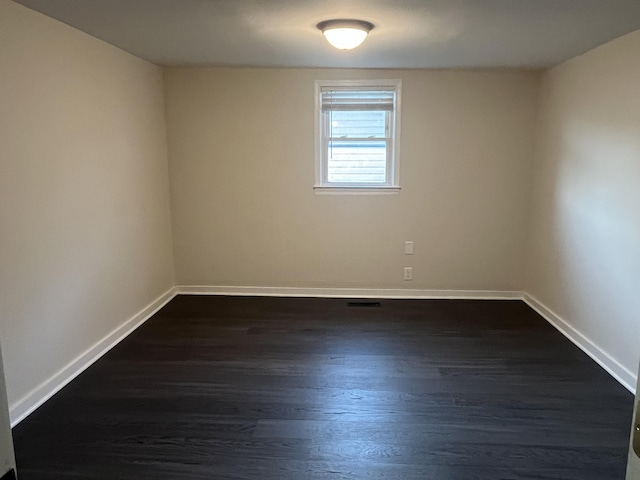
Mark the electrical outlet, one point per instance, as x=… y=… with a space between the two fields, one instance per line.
x=408 y=248
x=408 y=273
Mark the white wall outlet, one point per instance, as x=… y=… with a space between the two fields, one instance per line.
x=408 y=273
x=408 y=248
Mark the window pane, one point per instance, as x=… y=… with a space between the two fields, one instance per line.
x=357 y=162
x=357 y=124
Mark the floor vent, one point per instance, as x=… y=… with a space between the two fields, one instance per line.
x=363 y=304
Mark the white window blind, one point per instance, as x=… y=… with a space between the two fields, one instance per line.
x=357 y=129
x=362 y=100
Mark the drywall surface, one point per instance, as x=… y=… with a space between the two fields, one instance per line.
x=584 y=258
x=84 y=210
x=241 y=148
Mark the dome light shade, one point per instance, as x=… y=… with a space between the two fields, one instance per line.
x=345 y=34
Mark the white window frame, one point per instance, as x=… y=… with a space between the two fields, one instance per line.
x=392 y=185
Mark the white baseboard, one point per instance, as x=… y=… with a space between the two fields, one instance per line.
x=30 y=402
x=625 y=377
x=43 y=392
x=347 y=292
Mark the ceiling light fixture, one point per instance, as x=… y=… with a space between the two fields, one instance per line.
x=345 y=34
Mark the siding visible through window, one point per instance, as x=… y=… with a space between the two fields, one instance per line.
x=357 y=146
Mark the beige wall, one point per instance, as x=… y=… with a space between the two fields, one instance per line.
x=86 y=238
x=584 y=257
x=241 y=145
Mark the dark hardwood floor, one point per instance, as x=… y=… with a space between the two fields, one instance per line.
x=311 y=389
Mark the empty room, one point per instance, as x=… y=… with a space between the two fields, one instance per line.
x=304 y=240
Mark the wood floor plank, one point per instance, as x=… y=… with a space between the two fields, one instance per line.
x=314 y=389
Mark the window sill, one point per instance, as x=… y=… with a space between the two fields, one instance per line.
x=382 y=190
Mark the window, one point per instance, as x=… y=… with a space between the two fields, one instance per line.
x=357 y=135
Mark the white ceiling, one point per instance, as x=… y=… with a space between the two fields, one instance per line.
x=408 y=33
